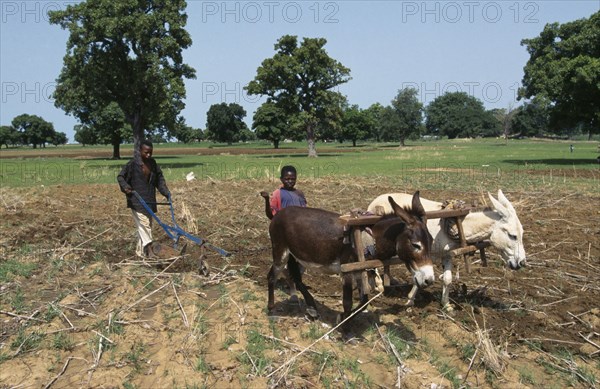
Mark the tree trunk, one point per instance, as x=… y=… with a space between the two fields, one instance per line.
x=276 y=144
x=116 y=140
x=138 y=135
x=116 y=151
x=310 y=137
x=402 y=142
x=353 y=142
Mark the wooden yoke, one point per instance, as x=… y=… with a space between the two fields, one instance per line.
x=466 y=250
x=353 y=223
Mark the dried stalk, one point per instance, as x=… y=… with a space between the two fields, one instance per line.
x=79 y=311
x=293 y=345
x=491 y=358
x=401 y=369
x=183 y=315
x=145 y=297
x=548 y=340
x=576 y=317
x=103 y=336
x=590 y=342
x=241 y=312
x=49 y=384
x=21 y=316
x=558 y=301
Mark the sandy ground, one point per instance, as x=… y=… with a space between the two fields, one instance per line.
x=79 y=310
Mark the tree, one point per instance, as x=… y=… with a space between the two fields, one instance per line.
x=111 y=127
x=357 y=124
x=531 y=119
x=299 y=79
x=494 y=123
x=455 y=114
x=564 y=68
x=85 y=135
x=187 y=134
x=505 y=120
x=246 y=134
x=125 y=52
x=270 y=123
x=375 y=111
x=224 y=122
x=8 y=136
x=403 y=118
x=33 y=130
x=59 y=138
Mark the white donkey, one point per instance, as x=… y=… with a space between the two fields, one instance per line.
x=499 y=225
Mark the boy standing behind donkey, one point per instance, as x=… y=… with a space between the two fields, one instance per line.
x=287 y=195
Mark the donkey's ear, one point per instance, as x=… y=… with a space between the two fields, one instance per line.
x=501 y=209
x=398 y=210
x=417 y=207
x=505 y=201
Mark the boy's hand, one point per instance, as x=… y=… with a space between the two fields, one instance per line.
x=128 y=191
x=264 y=194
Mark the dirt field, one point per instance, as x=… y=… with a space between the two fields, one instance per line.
x=78 y=310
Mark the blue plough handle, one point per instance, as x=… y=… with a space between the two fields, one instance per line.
x=175 y=232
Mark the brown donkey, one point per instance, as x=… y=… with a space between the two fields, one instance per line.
x=315 y=239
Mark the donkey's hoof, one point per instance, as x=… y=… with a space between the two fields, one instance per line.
x=350 y=339
x=448 y=308
x=338 y=319
x=312 y=312
x=294 y=300
x=203 y=269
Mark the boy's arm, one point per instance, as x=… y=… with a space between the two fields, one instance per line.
x=161 y=183
x=275 y=202
x=124 y=178
x=268 y=211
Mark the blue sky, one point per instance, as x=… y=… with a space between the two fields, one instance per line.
x=435 y=46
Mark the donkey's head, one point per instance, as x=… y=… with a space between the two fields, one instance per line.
x=507 y=235
x=411 y=240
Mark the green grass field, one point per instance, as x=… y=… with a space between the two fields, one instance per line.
x=428 y=164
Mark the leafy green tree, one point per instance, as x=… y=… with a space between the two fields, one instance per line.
x=187 y=134
x=531 y=119
x=403 y=118
x=330 y=125
x=495 y=123
x=564 y=68
x=270 y=123
x=59 y=138
x=111 y=127
x=8 y=136
x=456 y=114
x=85 y=135
x=357 y=124
x=128 y=52
x=375 y=111
x=299 y=79
x=224 y=122
x=246 y=135
x=33 y=130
